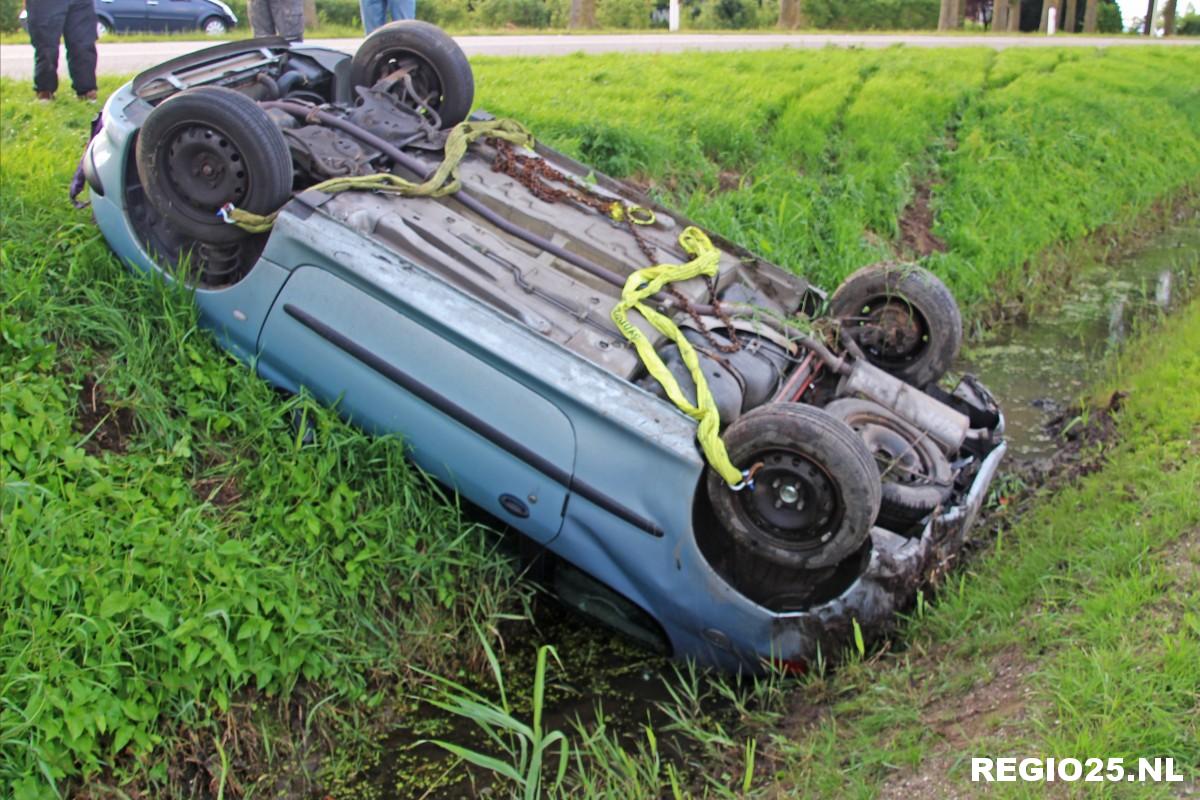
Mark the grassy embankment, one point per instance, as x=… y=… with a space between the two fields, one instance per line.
x=174 y=556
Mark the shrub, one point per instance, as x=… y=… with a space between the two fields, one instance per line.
x=624 y=13
x=872 y=14
x=9 y=9
x=446 y=13
x=1188 y=25
x=1108 y=20
x=521 y=13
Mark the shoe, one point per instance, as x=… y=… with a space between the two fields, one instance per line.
x=89 y=97
x=45 y=97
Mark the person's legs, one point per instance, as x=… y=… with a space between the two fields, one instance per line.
x=262 y=20
x=289 y=18
x=46 y=19
x=372 y=14
x=79 y=34
x=402 y=9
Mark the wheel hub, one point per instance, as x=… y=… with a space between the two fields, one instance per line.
x=898 y=460
x=205 y=169
x=793 y=499
x=892 y=329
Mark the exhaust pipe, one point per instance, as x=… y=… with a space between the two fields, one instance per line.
x=944 y=425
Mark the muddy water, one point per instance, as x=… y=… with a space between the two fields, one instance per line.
x=1037 y=370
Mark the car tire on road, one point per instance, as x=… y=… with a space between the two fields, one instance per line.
x=441 y=68
x=916 y=477
x=903 y=317
x=816 y=493
x=208 y=146
x=214 y=26
x=102 y=28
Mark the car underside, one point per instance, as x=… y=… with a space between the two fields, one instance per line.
x=352 y=230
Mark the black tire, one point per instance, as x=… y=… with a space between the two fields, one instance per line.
x=812 y=457
x=903 y=317
x=214 y=26
x=916 y=477
x=244 y=157
x=441 y=67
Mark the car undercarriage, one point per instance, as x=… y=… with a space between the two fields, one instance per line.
x=351 y=229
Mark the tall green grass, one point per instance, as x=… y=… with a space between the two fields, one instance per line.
x=143 y=591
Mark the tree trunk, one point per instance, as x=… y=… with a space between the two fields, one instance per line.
x=1014 y=16
x=1046 y=5
x=310 y=14
x=1148 y=25
x=1068 y=23
x=791 y=14
x=583 y=14
x=1089 y=16
x=960 y=16
x=1000 y=11
x=945 y=14
x=1169 y=18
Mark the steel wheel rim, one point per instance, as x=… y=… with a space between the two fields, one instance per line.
x=427 y=83
x=203 y=169
x=795 y=503
x=891 y=330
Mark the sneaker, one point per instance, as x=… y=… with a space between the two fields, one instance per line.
x=89 y=97
x=45 y=97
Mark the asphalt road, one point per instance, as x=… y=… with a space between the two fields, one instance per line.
x=16 y=60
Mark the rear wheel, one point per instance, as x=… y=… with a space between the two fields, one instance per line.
x=206 y=147
x=905 y=320
x=816 y=489
x=916 y=477
x=440 y=74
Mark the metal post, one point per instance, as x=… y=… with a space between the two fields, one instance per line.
x=673 y=15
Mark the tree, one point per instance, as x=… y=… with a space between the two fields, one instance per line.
x=583 y=14
x=1148 y=25
x=1169 y=18
x=1089 y=16
x=1014 y=16
x=791 y=14
x=1046 y=6
x=1000 y=11
x=948 y=16
x=1068 y=23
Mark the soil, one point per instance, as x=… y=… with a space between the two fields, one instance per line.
x=988 y=708
x=109 y=427
x=916 y=225
x=219 y=489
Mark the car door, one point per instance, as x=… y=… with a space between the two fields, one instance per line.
x=126 y=15
x=171 y=15
x=465 y=420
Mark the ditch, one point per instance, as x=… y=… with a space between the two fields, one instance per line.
x=1038 y=369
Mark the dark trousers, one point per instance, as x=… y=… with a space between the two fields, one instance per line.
x=73 y=21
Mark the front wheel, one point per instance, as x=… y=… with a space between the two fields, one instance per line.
x=905 y=320
x=214 y=26
x=101 y=28
x=816 y=489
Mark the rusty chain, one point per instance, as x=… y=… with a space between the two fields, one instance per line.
x=537 y=174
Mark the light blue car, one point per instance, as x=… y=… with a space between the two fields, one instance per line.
x=477 y=326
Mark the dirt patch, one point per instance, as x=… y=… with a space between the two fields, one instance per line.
x=106 y=427
x=216 y=486
x=916 y=225
x=729 y=180
x=987 y=709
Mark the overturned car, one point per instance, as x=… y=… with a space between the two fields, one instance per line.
x=709 y=453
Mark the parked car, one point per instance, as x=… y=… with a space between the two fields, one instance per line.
x=213 y=17
x=474 y=317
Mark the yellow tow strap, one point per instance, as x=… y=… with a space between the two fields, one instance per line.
x=647 y=282
x=442 y=182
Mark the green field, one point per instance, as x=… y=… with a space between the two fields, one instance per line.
x=178 y=562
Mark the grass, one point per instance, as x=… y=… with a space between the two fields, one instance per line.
x=176 y=555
